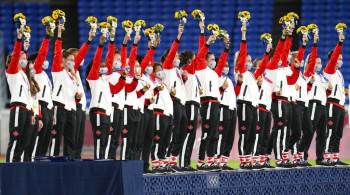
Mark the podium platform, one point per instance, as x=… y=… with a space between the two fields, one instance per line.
x=72 y=178
x=312 y=180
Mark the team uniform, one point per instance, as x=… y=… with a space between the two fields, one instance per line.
x=335 y=107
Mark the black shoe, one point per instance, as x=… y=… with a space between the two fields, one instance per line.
x=174 y=168
x=285 y=164
x=327 y=163
x=267 y=165
x=214 y=167
x=304 y=163
x=203 y=167
x=225 y=167
x=147 y=171
x=340 y=163
x=188 y=169
x=246 y=166
x=160 y=170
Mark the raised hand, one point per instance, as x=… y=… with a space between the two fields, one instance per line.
x=211 y=39
x=201 y=26
x=92 y=34
x=19 y=33
x=180 y=31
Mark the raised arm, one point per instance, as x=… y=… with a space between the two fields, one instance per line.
x=110 y=56
x=310 y=68
x=262 y=66
x=57 y=58
x=94 y=73
x=276 y=55
x=124 y=51
x=16 y=53
x=147 y=59
x=201 y=42
x=201 y=63
x=130 y=87
x=286 y=50
x=222 y=62
x=168 y=62
x=44 y=49
x=331 y=66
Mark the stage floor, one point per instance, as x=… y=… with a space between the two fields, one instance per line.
x=313 y=180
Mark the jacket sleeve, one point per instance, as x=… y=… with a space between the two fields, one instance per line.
x=147 y=59
x=95 y=69
x=132 y=59
x=16 y=54
x=116 y=88
x=276 y=55
x=242 y=57
x=110 y=56
x=201 y=42
x=330 y=68
x=39 y=60
x=286 y=50
x=57 y=56
x=291 y=80
x=168 y=62
x=261 y=69
x=200 y=59
x=81 y=54
x=310 y=68
x=123 y=55
x=130 y=87
x=221 y=63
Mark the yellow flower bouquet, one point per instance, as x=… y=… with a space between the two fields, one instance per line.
x=182 y=16
x=127 y=25
x=214 y=28
x=20 y=20
x=198 y=14
x=312 y=28
x=49 y=22
x=104 y=27
x=266 y=38
x=113 y=21
x=59 y=16
x=138 y=25
x=244 y=17
x=340 y=27
x=92 y=21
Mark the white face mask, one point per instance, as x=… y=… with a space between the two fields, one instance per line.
x=249 y=66
x=70 y=64
x=340 y=63
x=103 y=70
x=32 y=72
x=117 y=65
x=212 y=64
x=225 y=70
x=176 y=63
x=160 y=75
x=46 y=65
x=138 y=70
x=149 y=70
x=23 y=63
x=318 y=67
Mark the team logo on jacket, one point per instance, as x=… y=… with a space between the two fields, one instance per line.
x=258 y=128
x=279 y=123
x=189 y=127
x=156 y=138
x=330 y=122
x=243 y=128
x=206 y=126
x=124 y=131
x=53 y=132
x=98 y=132
x=110 y=129
x=221 y=128
x=15 y=133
